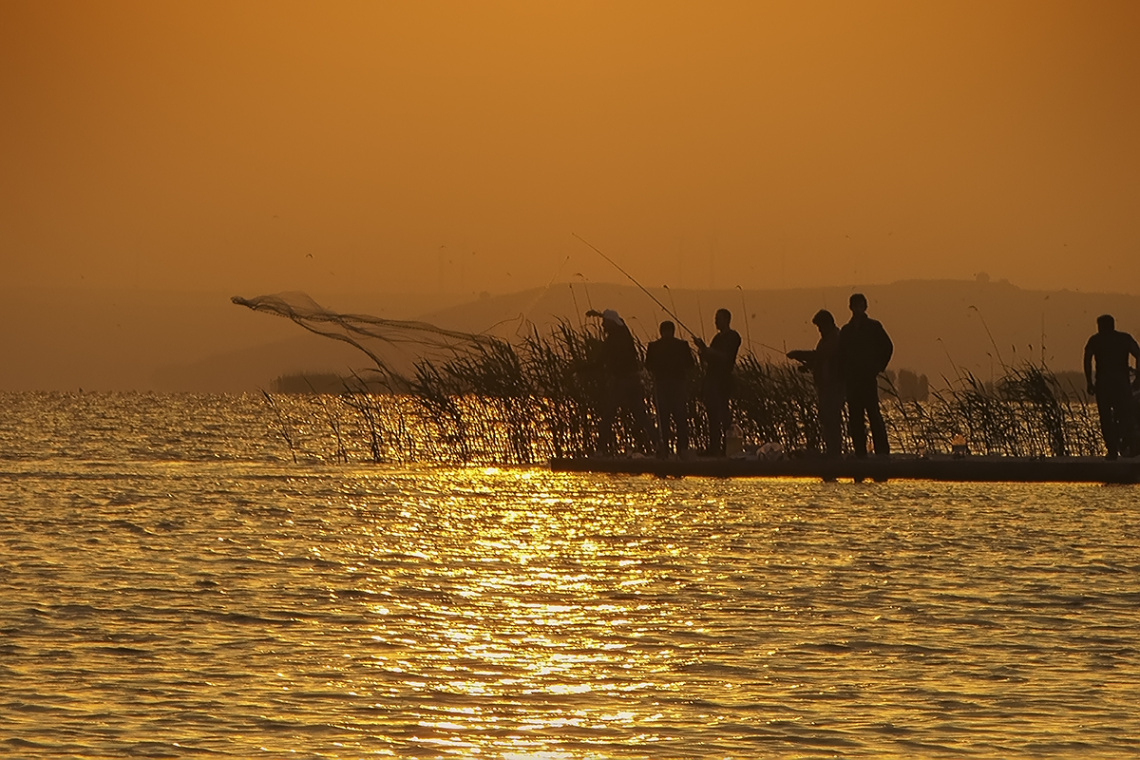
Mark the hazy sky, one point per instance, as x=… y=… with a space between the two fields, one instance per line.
x=254 y=147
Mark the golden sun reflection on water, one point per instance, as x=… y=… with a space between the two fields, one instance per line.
x=526 y=612
x=274 y=610
x=533 y=601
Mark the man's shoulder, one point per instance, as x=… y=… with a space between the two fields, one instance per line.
x=729 y=340
x=622 y=335
x=1114 y=337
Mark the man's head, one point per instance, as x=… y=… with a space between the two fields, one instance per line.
x=611 y=320
x=858 y=303
x=1105 y=323
x=823 y=320
x=668 y=329
x=723 y=319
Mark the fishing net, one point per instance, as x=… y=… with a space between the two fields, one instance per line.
x=395 y=346
x=446 y=395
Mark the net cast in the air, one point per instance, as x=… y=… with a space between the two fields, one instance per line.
x=395 y=346
x=454 y=396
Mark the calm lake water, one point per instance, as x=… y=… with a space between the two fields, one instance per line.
x=172 y=584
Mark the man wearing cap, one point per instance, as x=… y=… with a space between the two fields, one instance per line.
x=622 y=383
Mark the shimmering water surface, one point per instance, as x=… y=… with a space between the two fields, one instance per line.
x=173 y=585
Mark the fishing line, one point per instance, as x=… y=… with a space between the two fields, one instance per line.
x=641 y=287
x=672 y=301
x=574 y=297
x=747 y=322
x=524 y=317
x=664 y=308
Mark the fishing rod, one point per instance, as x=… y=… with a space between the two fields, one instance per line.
x=641 y=287
x=665 y=309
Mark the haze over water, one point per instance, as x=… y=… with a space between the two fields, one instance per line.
x=174 y=585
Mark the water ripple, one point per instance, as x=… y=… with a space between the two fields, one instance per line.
x=241 y=606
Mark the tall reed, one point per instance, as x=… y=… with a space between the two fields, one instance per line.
x=524 y=402
x=776 y=403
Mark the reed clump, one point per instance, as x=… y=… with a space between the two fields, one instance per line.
x=776 y=403
x=1026 y=412
x=540 y=397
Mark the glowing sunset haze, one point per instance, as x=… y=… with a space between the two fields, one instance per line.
x=456 y=148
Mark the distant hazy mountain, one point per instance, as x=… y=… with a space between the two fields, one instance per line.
x=938 y=326
x=141 y=340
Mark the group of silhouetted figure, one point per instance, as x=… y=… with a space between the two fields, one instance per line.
x=670 y=363
x=845 y=366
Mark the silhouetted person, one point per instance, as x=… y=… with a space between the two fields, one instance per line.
x=670 y=362
x=622 y=382
x=1111 y=349
x=864 y=351
x=823 y=362
x=719 y=358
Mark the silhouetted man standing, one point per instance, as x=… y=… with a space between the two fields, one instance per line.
x=670 y=362
x=719 y=358
x=1111 y=349
x=864 y=351
x=823 y=363
x=622 y=387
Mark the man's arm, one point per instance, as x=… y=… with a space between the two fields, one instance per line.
x=807 y=359
x=888 y=348
x=688 y=360
x=1134 y=349
x=651 y=357
x=803 y=356
x=713 y=351
x=1088 y=368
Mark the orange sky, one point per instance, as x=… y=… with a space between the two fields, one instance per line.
x=252 y=147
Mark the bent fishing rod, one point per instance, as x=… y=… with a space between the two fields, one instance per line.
x=640 y=287
x=657 y=301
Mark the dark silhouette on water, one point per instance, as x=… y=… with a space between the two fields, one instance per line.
x=719 y=359
x=1110 y=348
x=622 y=387
x=865 y=349
x=823 y=363
x=670 y=362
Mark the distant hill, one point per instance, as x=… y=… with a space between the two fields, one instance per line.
x=142 y=340
x=938 y=326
